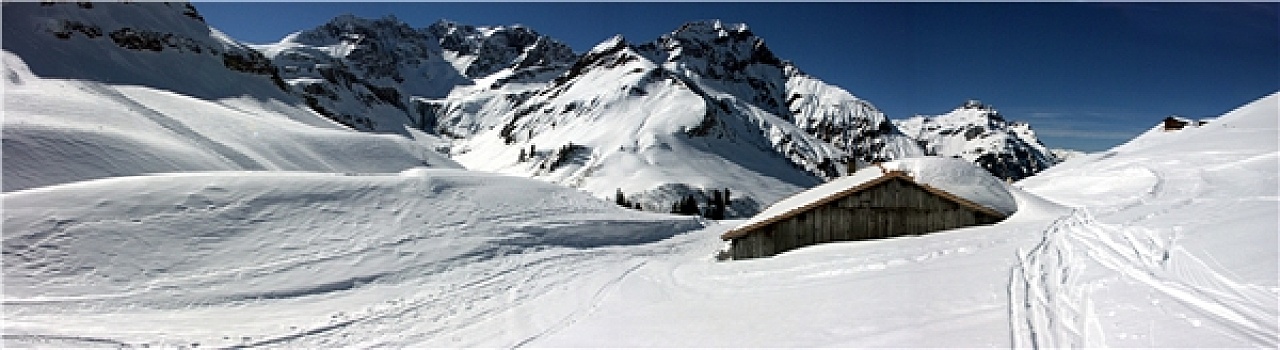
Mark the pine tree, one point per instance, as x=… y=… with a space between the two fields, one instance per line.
x=621 y=199
x=715 y=209
x=687 y=206
x=724 y=203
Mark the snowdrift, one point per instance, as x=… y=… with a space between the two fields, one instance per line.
x=130 y=221
x=197 y=247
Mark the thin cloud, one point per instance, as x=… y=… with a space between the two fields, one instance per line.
x=1087 y=134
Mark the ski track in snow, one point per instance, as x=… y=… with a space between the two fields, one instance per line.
x=1047 y=307
x=1051 y=308
x=1053 y=286
x=596 y=299
x=454 y=258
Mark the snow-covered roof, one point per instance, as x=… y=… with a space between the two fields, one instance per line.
x=951 y=178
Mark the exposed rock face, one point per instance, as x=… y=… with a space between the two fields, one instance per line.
x=166 y=45
x=382 y=74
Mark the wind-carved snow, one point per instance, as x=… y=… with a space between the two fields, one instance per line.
x=328 y=256
x=1171 y=241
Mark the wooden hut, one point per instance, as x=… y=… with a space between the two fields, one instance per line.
x=1175 y=123
x=893 y=204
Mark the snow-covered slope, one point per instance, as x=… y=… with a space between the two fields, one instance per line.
x=166 y=46
x=1177 y=233
x=59 y=131
x=1066 y=154
x=123 y=197
x=1172 y=244
x=101 y=90
x=978 y=133
x=705 y=107
x=1176 y=248
x=1171 y=241
x=275 y=259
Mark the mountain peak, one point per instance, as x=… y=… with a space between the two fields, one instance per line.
x=712 y=29
x=974 y=104
x=608 y=45
x=978 y=132
x=347 y=21
x=972 y=111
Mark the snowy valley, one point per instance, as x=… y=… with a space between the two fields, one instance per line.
x=370 y=184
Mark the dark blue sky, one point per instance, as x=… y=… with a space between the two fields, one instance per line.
x=1086 y=76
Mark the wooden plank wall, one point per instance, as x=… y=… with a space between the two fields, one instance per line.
x=894 y=208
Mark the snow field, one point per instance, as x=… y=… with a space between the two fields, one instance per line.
x=333 y=260
x=437 y=257
x=949 y=286
x=131 y=219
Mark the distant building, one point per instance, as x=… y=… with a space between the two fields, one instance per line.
x=1173 y=123
x=893 y=204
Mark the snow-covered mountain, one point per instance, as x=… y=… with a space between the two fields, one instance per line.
x=497 y=91
x=979 y=133
x=705 y=93
x=129 y=221
x=370 y=74
x=165 y=46
x=143 y=88
x=1062 y=154
x=704 y=107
